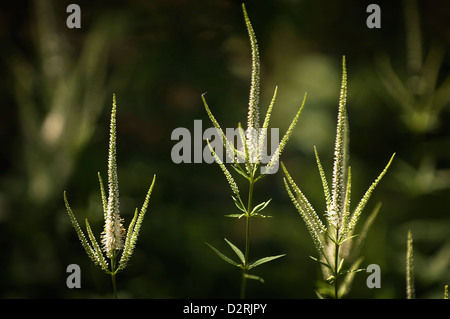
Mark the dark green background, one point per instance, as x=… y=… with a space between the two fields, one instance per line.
x=159 y=58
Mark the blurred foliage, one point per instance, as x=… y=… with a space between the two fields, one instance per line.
x=159 y=56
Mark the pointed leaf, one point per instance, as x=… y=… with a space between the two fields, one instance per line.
x=261 y=215
x=260 y=207
x=253 y=277
x=264 y=260
x=238 y=169
x=237 y=251
x=235 y=215
x=228 y=260
x=239 y=204
x=321 y=262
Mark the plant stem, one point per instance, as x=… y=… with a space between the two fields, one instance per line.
x=113 y=275
x=336 y=275
x=247 y=237
x=113 y=278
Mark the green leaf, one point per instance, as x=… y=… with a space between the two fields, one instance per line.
x=239 y=204
x=237 y=251
x=321 y=262
x=340 y=266
x=253 y=277
x=235 y=215
x=228 y=260
x=238 y=169
x=260 y=207
x=264 y=260
x=261 y=215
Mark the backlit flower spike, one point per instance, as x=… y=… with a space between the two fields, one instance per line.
x=231 y=151
x=134 y=228
x=253 y=105
x=114 y=233
x=341 y=156
x=91 y=252
x=276 y=155
x=113 y=239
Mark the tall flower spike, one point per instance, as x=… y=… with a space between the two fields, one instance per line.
x=340 y=169
x=251 y=152
x=113 y=238
x=114 y=233
x=253 y=104
x=340 y=223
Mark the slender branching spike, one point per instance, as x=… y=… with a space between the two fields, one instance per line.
x=326 y=189
x=314 y=229
x=99 y=258
x=102 y=192
x=253 y=107
x=245 y=151
x=226 y=172
x=130 y=232
x=112 y=237
x=304 y=203
x=356 y=214
x=232 y=152
x=364 y=230
x=276 y=155
x=410 y=291
x=340 y=156
x=346 y=212
x=265 y=127
x=87 y=247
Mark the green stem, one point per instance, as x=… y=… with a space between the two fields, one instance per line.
x=336 y=265
x=113 y=274
x=247 y=238
x=113 y=278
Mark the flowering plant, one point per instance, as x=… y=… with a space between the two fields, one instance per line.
x=114 y=238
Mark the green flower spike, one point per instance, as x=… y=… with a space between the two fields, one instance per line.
x=114 y=238
x=333 y=241
x=250 y=153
